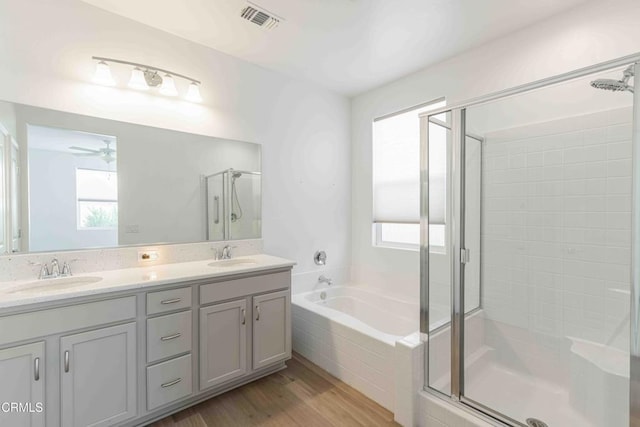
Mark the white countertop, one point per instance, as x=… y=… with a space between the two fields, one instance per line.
x=131 y=279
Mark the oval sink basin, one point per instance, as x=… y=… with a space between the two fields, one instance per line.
x=54 y=284
x=226 y=263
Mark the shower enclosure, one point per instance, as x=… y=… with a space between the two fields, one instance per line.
x=233 y=205
x=540 y=273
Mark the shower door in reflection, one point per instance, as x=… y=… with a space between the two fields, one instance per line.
x=233 y=205
x=541 y=224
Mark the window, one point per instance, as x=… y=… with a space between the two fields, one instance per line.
x=97 y=194
x=396 y=180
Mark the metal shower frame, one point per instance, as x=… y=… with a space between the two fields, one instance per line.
x=226 y=194
x=457 y=244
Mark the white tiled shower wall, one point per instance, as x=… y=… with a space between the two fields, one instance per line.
x=556 y=227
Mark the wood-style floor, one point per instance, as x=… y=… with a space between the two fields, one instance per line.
x=301 y=395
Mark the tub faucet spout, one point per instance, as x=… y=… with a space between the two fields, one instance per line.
x=323 y=279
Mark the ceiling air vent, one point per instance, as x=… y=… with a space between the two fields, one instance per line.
x=260 y=17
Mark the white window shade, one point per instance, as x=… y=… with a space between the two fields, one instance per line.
x=96 y=185
x=396 y=170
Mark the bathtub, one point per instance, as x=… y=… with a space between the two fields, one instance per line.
x=351 y=332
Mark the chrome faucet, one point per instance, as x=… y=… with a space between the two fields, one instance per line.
x=44 y=270
x=226 y=252
x=323 y=279
x=55 y=268
x=55 y=272
x=66 y=269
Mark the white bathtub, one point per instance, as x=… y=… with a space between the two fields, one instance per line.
x=352 y=333
x=368 y=312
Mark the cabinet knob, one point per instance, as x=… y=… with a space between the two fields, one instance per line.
x=244 y=316
x=257 y=312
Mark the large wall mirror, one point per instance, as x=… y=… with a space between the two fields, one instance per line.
x=77 y=182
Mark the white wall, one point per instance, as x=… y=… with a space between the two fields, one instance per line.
x=303 y=129
x=594 y=32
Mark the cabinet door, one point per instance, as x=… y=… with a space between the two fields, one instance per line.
x=22 y=374
x=98 y=385
x=223 y=343
x=271 y=328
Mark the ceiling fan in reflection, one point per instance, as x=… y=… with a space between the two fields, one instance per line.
x=107 y=153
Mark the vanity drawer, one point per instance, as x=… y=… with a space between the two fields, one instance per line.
x=168 y=381
x=173 y=299
x=168 y=335
x=236 y=288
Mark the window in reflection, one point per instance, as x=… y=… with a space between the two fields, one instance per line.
x=97 y=193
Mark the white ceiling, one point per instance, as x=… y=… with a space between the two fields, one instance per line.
x=55 y=139
x=348 y=46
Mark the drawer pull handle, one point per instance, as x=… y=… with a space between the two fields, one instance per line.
x=170 y=383
x=36 y=369
x=244 y=316
x=66 y=361
x=257 y=312
x=171 y=301
x=171 y=337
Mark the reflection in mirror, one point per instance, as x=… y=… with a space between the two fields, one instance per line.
x=77 y=182
x=233 y=204
x=73 y=189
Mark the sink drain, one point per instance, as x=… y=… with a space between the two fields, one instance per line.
x=533 y=422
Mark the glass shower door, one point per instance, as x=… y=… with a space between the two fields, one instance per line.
x=552 y=182
x=440 y=256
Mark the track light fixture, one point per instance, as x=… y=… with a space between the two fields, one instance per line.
x=145 y=77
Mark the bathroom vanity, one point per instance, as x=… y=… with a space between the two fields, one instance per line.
x=141 y=343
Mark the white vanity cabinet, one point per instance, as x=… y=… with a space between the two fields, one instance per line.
x=271 y=328
x=98 y=376
x=246 y=328
x=130 y=358
x=223 y=343
x=22 y=382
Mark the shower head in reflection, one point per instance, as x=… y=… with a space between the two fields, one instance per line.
x=616 y=85
x=236 y=209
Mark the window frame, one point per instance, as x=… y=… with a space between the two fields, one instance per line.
x=376 y=227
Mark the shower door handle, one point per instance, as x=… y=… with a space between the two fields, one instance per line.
x=216 y=202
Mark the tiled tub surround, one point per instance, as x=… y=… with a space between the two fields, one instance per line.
x=352 y=334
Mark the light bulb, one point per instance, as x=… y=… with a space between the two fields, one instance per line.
x=103 y=75
x=193 y=93
x=137 y=80
x=168 y=86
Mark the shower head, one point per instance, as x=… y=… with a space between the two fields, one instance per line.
x=615 y=85
x=236 y=175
